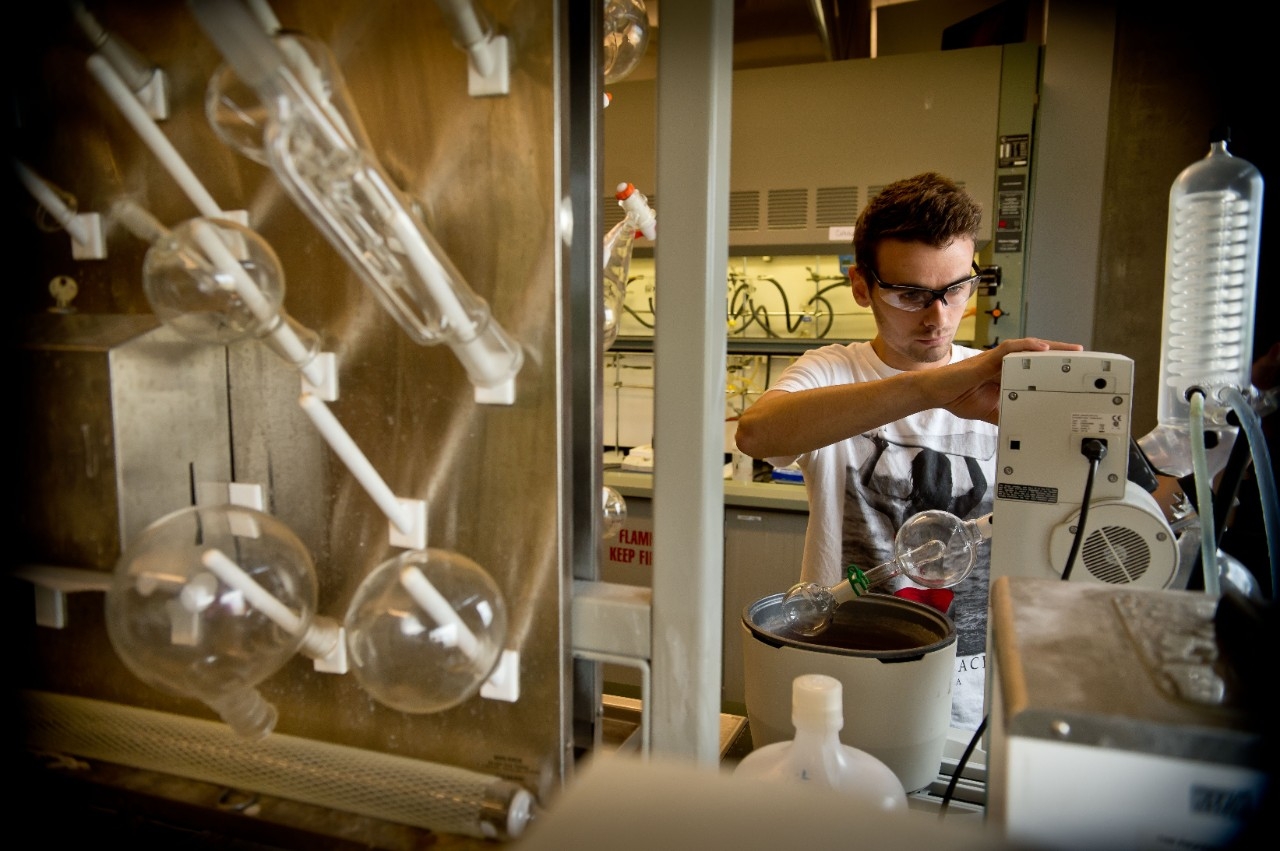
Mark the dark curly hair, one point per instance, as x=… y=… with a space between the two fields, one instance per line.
x=927 y=208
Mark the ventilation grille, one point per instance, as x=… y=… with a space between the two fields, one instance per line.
x=1116 y=555
x=788 y=209
x=744 y=210
x=837 y=206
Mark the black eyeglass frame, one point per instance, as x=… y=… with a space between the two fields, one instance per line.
x=934 y=295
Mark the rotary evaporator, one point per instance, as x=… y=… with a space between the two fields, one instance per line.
x=1122 y=712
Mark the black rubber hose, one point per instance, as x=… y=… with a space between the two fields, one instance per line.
x=628 y=309
x=736 y=309
x=786 y=305
x=830 y=314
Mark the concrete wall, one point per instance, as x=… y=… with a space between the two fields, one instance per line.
x=1175 y=78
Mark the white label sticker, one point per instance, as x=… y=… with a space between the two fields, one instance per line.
x=1093 y=423
x=843 y=233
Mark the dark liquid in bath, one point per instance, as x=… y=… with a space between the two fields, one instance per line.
x=871 y=631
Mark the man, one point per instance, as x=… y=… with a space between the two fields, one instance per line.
x=904 y=423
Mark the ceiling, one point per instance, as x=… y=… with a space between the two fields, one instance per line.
x=785 y=32
x=793 y=32
x=768 y=33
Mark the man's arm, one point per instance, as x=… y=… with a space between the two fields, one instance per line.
x=780 y=423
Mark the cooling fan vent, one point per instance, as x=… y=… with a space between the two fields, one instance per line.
x=1126 y=542
x=1116 y=555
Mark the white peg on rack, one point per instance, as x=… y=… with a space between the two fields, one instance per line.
x=85 y=229
x=450 y=625
x=145 y=126
x=488 y=67
x=322 y=638
x=292 y=348
x=149 y=84
x=408 y=517
x=318 y=369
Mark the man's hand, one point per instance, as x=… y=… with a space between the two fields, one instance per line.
x=971 y=388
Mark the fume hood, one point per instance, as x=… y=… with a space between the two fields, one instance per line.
x=812 y=144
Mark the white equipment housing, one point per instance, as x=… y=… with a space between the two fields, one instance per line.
x=1050 y=403
x=1104 y=729
x=1115 y=723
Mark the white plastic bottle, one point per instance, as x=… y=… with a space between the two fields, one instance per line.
x=817 y=756
x=619 y=243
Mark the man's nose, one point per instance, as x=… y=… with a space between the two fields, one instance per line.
x=935 y=309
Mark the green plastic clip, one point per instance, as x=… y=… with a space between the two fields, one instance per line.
x=857 y=580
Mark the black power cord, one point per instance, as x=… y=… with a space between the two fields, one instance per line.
x=964 y=760
x=1095 y=450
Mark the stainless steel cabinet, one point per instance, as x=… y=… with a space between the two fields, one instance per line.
x=762 y=552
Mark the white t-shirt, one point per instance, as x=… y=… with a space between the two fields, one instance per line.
x=861 y=490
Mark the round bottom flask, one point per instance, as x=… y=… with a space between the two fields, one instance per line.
x=425 y=630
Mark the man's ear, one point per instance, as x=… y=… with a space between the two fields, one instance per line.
x=861 y=289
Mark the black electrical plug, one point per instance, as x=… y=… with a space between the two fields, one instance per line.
x=1093 y=448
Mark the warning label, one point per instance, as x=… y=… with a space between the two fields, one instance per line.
x=1026 y=493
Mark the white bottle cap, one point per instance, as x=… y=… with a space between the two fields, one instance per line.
x=817 y=701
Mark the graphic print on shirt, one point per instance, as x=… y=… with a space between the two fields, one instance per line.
x=889 y=482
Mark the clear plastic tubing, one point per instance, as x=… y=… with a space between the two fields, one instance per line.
x=1264 y=473
x=1204 y=498
x=1211 y=273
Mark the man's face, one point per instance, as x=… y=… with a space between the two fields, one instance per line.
x=910 y=340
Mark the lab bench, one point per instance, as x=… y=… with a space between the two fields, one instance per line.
x=783 y=496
